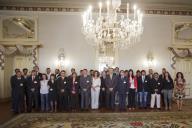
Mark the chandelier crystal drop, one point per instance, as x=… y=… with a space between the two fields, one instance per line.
x=108 y=26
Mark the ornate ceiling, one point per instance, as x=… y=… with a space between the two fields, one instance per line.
x=79 y=5
x=185 y=4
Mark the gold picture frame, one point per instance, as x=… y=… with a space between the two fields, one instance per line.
x=18 y=28
x=182 y=33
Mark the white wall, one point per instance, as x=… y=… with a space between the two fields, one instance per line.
x=157 y=37
x=63 y=30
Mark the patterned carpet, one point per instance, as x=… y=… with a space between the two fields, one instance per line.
x=102 y=120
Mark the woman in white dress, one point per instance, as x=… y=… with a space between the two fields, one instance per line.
x=95 y=90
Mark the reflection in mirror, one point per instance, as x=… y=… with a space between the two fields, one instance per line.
x=183 y=32
x=18 y=28
x=106 y=55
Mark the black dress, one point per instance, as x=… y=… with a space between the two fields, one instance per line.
x=102 y=93
x=52 y=91
x=74 y=92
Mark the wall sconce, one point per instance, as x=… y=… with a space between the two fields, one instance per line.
x=62 y=61
x=150 y=62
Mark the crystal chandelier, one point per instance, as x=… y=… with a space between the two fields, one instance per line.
x=108 y=26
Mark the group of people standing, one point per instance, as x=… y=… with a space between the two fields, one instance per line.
x=59 y=92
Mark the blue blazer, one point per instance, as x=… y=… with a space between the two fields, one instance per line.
x=123 y=85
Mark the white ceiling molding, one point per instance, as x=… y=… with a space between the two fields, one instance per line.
x=175 y=5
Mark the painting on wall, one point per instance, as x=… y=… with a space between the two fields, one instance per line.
x=18 y=28
x=182 y=33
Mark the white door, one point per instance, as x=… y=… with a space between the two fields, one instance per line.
x=185 y=66
x=23 y=62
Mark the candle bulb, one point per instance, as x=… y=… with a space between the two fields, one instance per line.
x=115 y=14
x=134 y=8
x=127 y=10
x=90 y=12
x=83 y=16
x=141 y=18
x=100 y=8
x=107 y=8
x=138 y=14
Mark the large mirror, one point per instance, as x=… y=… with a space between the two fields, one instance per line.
x=106 y=55
x=183 y=33
x=19 y=28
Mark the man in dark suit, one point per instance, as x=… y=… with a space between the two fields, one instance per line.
x=18 y=89
x=110 y=83
x=79 y=76
x=36 y=68
x=138 y=75
x=57 y=73
x=25 y=76
x=63 y=91
x=150 y=80
x=33 y=88
x=143 y=89
x=39 y=75
x=85 y=85
x=12 y=82
x=25 y=73
x=122 y=88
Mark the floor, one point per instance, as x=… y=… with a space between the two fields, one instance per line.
x=6 y=114
x=181 y=119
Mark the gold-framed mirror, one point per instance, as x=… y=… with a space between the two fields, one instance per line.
x=18 y=28
x=182 y=33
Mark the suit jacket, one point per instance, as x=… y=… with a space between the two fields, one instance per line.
x=52 y=87
x=39 y=76
x=33 y=86
x=25 y=77
x=62 y=86
x=161 y=77
x=156 y=86
x=143 y=84
x=167 y=84
x=74 y=86
x=111 y=83
x=18 y=86
x=123 y=85
x=103 y=84
x=57 y=76
x=85 y=83
x=12 y=80
x=150 y=83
